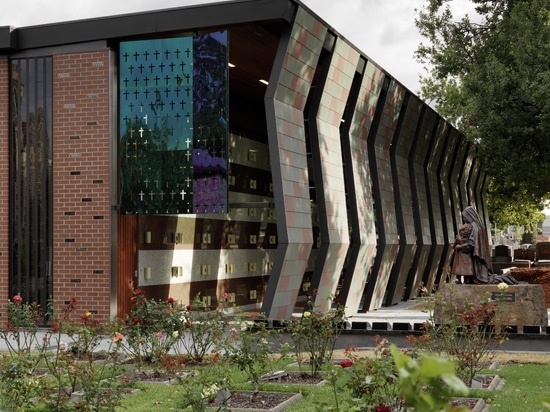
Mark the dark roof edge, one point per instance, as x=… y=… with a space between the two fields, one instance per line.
x=143 y=23
x=7 y=37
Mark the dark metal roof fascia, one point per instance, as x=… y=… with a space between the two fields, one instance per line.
x=7 y=37
x=157 y=21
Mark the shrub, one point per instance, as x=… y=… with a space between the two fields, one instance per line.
x=201 y=330
x=394 y=380
x=72 y=366
x=373 y=382
x=19 y=332
x=151 y=329
x=201 y=388
x=85 y=334
x=469 y=336
x=315 y=334
x=18 y=382
x=428 y=382
x=248 y=346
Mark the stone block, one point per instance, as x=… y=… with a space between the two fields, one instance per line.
x=523 y=305
x=502 y=253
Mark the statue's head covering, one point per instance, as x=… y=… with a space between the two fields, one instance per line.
x=470 y=215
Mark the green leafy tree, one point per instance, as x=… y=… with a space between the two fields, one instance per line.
x=516 y=209
x=489 y=74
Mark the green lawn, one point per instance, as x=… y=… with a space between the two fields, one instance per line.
x=525 y=387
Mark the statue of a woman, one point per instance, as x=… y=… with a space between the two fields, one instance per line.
x=472 y=252
x=463 y=264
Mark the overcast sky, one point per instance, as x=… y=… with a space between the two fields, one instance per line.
x=384 y=30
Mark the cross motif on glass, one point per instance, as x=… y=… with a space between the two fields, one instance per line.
x=151 y=75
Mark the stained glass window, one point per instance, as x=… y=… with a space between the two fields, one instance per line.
x=173 y=125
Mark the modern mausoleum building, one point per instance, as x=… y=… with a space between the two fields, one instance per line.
x=241 y=147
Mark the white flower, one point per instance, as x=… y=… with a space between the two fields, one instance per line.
x=502 y=286
x=175 y=334
x=208 y=393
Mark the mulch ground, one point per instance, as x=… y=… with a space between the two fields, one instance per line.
x=255 y=400
x=537 y=276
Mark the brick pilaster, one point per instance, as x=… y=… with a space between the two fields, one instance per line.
x=81 y=170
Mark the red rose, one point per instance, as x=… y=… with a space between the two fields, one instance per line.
x=55 y=326
x=346 y=363
x=382 y=408
x=17 y=299
x=189 y=307
x=170 y=300
x=136 y=320
x=138 y=292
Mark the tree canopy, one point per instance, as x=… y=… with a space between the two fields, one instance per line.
x=489 y=75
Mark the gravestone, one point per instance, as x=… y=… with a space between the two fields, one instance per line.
x=502 y=258
x=523 y=305
x=502 y=254
x=524 y=254
x=542 y=254
x=524 y=257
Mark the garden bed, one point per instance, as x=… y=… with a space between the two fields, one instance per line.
x=475 y=404
x=293 y=378
x=251 y=401
x=535 y=276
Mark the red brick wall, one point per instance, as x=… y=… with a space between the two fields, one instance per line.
x=4 y=183
x=81 y=204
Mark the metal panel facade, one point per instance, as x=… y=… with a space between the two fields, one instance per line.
x=330 y=186
x=332 y=145
x=285 y=100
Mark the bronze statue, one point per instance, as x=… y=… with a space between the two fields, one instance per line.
x=472 y=253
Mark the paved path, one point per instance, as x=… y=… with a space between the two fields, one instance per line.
x=406 y=313
x=394 y=318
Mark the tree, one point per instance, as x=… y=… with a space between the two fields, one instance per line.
x=515 y=210
x=490 y=76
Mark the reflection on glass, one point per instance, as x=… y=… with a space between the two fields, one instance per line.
x=173 y=125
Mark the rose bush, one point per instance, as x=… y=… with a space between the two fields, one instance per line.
x=201 y=330
x=314 y=334
x=150 y=328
